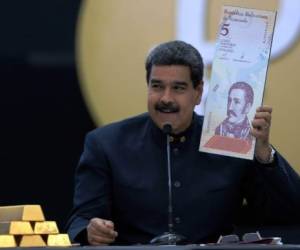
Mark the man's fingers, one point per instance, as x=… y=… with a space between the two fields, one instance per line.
x=258 y=133
x=260 y=124
x=104 y=226
x=264 y=109
x=263 y=115
x=101 y=232
x=262 y=119
x=109 y=223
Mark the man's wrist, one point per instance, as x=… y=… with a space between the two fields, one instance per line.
x=269 y=159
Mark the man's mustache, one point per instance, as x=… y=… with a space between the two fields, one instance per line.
x=231 y=113
x=166 y=107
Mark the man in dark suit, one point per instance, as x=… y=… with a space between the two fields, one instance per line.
x=121 y=192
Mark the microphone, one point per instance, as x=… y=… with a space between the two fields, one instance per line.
x=169 y=238
x=167 y=129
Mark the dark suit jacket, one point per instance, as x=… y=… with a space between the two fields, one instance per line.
x=122 y=176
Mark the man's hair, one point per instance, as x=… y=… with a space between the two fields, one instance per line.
x=249 y=94
x=176 y=53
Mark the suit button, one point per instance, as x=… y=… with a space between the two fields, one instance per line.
x=177 y=184
x=177 y=220
x=176 y=151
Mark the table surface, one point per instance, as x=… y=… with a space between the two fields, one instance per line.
x=185 y=247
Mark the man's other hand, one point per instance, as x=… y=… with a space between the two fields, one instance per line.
x=101 y=232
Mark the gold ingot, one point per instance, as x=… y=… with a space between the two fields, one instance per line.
x=16 y=228
x=46 y=227
x=59 y=240
x=21 y=213
x=7 y=241
x=32 y=241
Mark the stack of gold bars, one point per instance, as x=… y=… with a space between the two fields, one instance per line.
x=25 y=226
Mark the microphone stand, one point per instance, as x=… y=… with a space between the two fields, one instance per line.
x=170 y=237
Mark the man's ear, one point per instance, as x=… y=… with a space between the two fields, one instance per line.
x=199 y=89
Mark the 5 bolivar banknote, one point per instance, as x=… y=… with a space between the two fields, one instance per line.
x=237 y=82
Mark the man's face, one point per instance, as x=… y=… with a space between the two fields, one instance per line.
x=237 y=108
x=172 y=97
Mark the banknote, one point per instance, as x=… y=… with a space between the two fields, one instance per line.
x=237 y=82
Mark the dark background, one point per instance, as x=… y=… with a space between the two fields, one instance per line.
x=43 y=115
